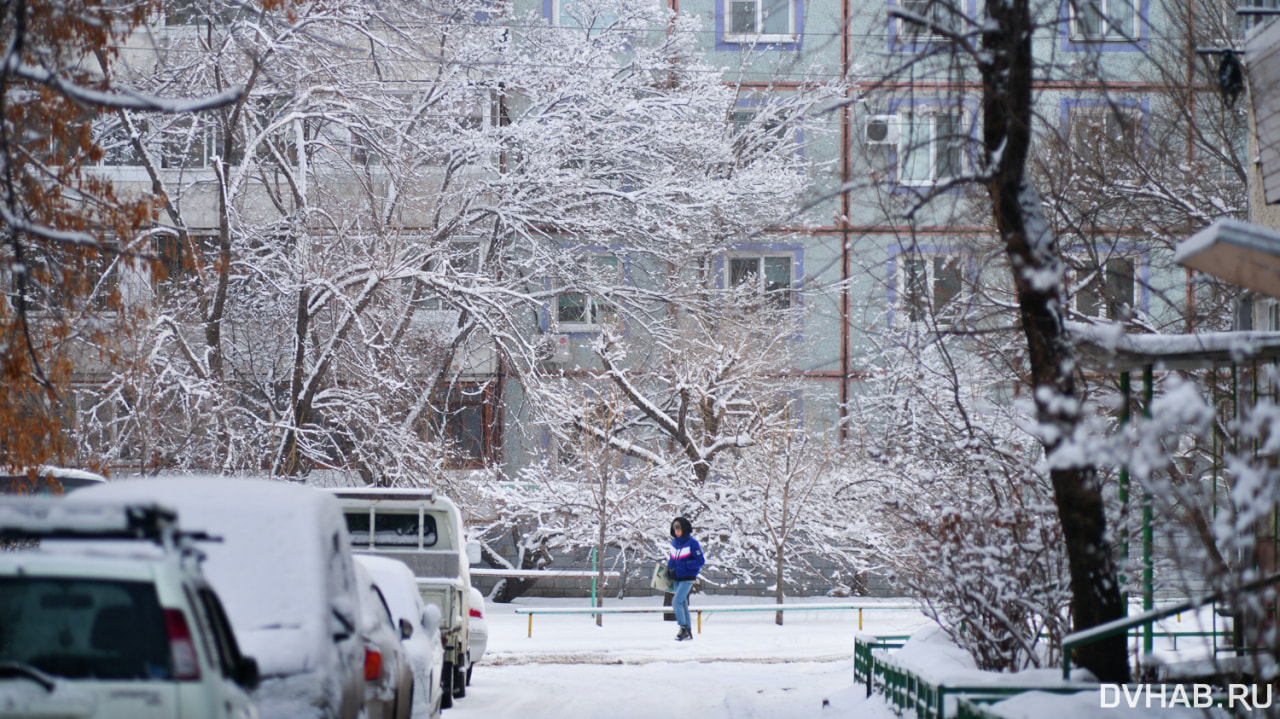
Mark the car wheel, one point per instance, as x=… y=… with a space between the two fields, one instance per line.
x=469 y=668
x=459 y=682
x=446 y=686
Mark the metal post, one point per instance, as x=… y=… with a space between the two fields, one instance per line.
x=1124 y=488
x=594 y=570
x=1148 y=598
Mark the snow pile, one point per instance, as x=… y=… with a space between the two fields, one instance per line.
x=932 y=655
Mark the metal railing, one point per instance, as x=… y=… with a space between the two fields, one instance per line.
x=905 y=689
x=1147 y=619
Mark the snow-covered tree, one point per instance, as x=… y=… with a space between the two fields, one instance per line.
x=71 y=245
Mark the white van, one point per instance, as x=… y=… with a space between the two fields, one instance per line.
x=425 y=531
x=285 y=574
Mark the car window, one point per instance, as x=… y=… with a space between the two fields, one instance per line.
x=207 y=638
x=228 y=651
x=384 y=614
x=391 y=529
x=84 y=628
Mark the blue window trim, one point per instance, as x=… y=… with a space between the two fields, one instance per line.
x=752 y=103
x=891 y=266
x=892 y=30
x=795 y=249
x=970 y=106
x=1142 y=43
x=735 y=45
x=546 y=324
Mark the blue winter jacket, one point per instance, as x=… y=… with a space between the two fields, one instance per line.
x=685 y=558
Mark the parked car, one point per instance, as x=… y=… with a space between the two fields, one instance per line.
x=422 y=638
x=425 y=531
x=116 y=621
x=46 y=479
x=479 y=631
x=285 y=573
x=388 y=677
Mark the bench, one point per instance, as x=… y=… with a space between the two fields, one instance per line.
x=713 y=609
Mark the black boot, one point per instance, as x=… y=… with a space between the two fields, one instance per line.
x=684 y=635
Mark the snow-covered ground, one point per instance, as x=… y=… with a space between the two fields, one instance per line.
x=742 y=666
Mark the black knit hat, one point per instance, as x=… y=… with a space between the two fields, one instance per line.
x=685 y=526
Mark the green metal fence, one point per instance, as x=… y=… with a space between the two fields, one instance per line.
x=906 y=690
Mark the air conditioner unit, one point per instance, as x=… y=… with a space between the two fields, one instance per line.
x=881 y=130
x=555 y=349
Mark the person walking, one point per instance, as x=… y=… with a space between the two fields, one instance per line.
x=685 y=561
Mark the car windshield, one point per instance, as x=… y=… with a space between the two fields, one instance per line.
x=84 y=628
x=391 y=529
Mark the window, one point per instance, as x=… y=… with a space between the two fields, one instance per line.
x=1103 y=20
x=913 y=33
x=186 y=144
x=756 y=132
x=1263 y=314
x=182 y=12
x=175 y=255
x=760 y=19
x=770 y=275
x=73 y=628
x=467 y=420
x=928 y=286
x=580 y=310
x=117 y=146
x=1104 y=129
x=1105 y=292
x=932 y=145
x=463 y=257
x=391 y=529
x=588 y=16
x=1249 y=21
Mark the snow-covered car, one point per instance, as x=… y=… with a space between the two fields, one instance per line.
x=479 y=631
x=285 y=574
x=422 y=638
x=112 y=618
x=425 y=531
x=388 y=677
x=47 y=479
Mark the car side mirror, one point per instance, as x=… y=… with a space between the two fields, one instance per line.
x=431 y=620
x=406 y=628
x=473 y=552
x=341 y=626
x=246 y=674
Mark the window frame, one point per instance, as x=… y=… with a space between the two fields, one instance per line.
x=728 y=40
x=1074 y=41
x=449 y=403
x=595 y=308
x=1137 y=300
x=1074 y=109
x=1105 y=21
x=903 y=149
x=463 y=256
x=903 y=306
x=789 y=295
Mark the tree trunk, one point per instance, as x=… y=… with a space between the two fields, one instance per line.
x=1033 y=256
x=777 y=593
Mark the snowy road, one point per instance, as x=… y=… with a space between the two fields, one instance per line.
x=742 y=666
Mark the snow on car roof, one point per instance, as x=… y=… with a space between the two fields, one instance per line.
x=270 y=569
x=397 y=582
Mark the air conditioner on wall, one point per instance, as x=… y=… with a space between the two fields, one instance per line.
x=881 y=130
x=555 y=348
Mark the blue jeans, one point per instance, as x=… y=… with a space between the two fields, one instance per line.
x=680 y=601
